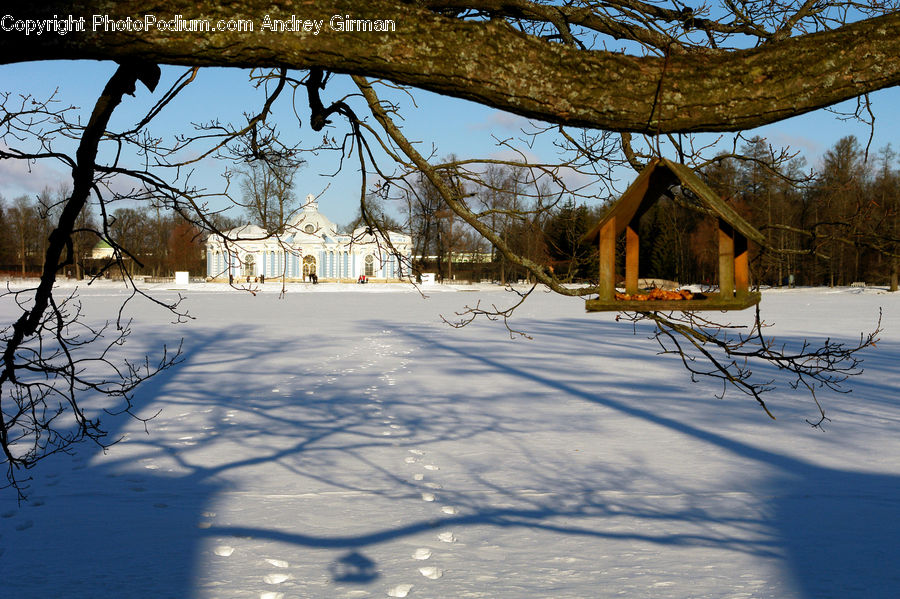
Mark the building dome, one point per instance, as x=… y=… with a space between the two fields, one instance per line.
x=310 y=221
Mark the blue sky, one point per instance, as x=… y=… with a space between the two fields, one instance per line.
x=452 y=126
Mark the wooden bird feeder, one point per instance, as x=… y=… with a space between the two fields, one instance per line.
x=652 y=184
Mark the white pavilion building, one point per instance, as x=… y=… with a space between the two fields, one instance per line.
x=310 y=244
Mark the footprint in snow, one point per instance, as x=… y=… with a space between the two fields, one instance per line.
x=278 y=563
x=428 y=497
x=431 y=572
x=401 y=590
x=410 y=460
x=449 y=509
x=431 y=467
x=422 y=553
x=24 y=525
x=417 y=452
x=276 y=578
x=271 y=595
x=224 y=550
x=447 y=537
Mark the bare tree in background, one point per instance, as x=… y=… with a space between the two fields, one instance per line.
x=267 y=193
x=23 y=221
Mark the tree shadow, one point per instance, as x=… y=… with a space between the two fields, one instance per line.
x=835 y=529
x=147 y=519
x=141 y=520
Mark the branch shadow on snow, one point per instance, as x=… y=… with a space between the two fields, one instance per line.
x=140 y=521
x=835 y=529
x=102 y=527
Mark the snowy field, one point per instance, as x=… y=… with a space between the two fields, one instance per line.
x=343 y=442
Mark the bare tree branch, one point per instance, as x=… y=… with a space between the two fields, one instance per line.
x=493 y=63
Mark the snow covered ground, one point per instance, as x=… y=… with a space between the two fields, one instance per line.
x=344 y=442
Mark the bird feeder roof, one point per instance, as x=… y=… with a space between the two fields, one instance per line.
x=655 y=181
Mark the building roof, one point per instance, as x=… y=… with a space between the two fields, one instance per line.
x=248 y=232
x=308 y=226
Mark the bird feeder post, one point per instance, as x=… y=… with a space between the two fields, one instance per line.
x=726 y=260
x=607 y=284
x=741 y=266
x=632 y=253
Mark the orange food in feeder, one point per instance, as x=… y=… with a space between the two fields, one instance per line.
x=660 y=294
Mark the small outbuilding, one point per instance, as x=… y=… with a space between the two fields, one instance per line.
x=656 y=181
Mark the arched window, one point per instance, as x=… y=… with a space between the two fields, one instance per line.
x=249 y=262
x=370 y=265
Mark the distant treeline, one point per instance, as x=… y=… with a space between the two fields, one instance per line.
x=158 y=242
x=831 y=225
x=834 y=224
